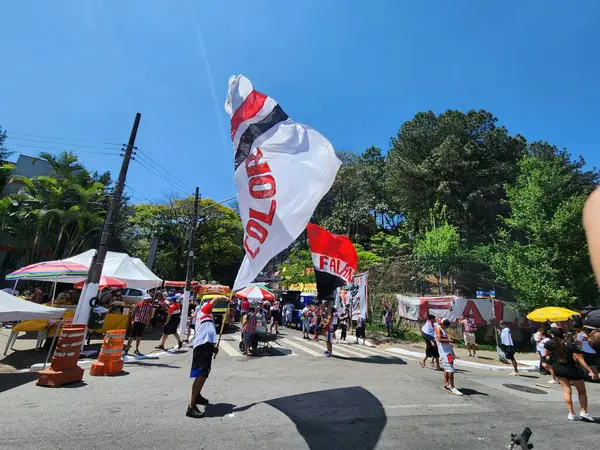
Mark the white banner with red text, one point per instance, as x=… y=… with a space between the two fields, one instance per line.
x=282 y=170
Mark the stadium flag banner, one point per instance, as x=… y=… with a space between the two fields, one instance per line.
x=282 y=171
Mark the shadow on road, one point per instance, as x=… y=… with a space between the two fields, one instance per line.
x=467 y=391
x=223 y=409
x=12 y=380
x=371 y=359
x=352 y=415
x=79 y=384
x=152 y=364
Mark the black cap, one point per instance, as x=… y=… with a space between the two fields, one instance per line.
x=557 y=332
x=446 y=322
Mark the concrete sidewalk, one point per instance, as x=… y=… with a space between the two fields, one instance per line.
x=25 y=357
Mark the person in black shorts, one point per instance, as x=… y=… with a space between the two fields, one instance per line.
x=205 y=346
x=565 y=357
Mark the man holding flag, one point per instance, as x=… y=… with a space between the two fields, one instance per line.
x=282 y=171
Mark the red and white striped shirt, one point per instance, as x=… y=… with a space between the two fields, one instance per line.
x=142 y=313
x=250 y=325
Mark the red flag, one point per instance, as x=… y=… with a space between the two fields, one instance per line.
x=334 y=258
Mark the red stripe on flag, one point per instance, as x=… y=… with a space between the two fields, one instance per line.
x=247 y=110
x=325 y=243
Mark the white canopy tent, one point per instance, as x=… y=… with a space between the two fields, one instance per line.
x=122 y=266
x=14 y=308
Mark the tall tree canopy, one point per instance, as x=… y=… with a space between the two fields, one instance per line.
x=218 y=251
x=542 y=253
x=459 y=160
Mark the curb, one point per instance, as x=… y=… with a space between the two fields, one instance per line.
x=460 y=362
x=87 y=363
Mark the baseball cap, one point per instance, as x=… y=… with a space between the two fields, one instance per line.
x=147 y=297
x=557 y=332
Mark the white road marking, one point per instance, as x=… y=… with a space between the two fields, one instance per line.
x=229 y=348
x=301 y=347
x=322 y=347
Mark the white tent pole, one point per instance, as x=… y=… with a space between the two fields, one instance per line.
x=53 y=341
x=53 y=293
x=15 y=287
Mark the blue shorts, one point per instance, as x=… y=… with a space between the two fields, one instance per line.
x=202 y=360
x=248 y=338
x=330 y=336
x=305 y=326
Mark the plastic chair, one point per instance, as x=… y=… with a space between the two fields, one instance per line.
x=56 y=327
x=29 y=325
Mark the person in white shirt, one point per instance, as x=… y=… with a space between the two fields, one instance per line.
x=444 y=344
x=205 y=347
x=288 y=313
x=305 y=322
x=431 y=350
x=508 y=346
x=589 y=354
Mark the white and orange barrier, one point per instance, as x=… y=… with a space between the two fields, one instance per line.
x=109 y=360
x=63 y=368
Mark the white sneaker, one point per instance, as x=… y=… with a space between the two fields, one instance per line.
x=552 y=382
x=572 y=417
x=586 y=416
x=455 y=391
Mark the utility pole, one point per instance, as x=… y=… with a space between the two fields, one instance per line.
x=90 y=290
x=190 y=265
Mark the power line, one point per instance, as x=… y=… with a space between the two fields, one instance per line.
x=149 y=160
x=60 y=143
x=61 y=150
x=63 y=139
x=173 y=182
x=133 y=194
x=158 y=174
x=159 y=169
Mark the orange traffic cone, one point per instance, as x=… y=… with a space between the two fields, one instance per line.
x=63 y=368
x=109 y=360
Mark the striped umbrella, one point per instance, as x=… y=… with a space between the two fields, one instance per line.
x=255 y=293
x=57 y=271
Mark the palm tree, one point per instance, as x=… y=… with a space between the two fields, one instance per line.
x=65 y=209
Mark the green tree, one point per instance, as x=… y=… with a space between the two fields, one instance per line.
x=391 y=245
x=542 y=253
x=4 y=152
x=219 y=233
x=439 y=248
x=294 y=270
x=460 y=160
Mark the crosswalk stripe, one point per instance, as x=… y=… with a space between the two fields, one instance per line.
x=369 y=351
x=322 y=347
x=301 y=347
x=229 y=348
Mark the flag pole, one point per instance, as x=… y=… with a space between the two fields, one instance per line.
x=223 y=321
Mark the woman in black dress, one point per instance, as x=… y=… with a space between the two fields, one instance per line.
x=564 y=357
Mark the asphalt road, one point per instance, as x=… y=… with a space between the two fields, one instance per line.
x=294 y=399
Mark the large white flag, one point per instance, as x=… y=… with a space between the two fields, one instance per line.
x=282 y=170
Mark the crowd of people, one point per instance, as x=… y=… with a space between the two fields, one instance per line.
x=565 y=354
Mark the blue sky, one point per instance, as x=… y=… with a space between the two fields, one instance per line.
x=354 y=70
